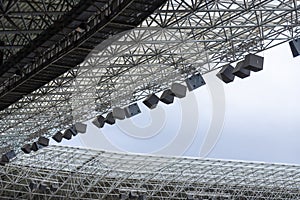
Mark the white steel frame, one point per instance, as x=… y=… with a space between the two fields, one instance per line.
x=179 y=39
x=93 y=174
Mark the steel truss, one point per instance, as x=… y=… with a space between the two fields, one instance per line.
x=179 y=39
x=92 y=174
x=22 y=21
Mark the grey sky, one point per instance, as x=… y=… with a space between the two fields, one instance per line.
x=262 y=116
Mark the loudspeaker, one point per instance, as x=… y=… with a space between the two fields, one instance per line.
x=123 y=196
x=167 y=97
x=151 y=101
x=73 y=130
x=239 y=71
x=8 y=156
x=118 y=113
x=43 y=141
x=35 y=146
x=253 y=62
x=53 y=188
x=133 y=195
x=42 y=187
x=26 y=148
x=1 y=53
x=132 y=110
x=80 y=127
x=2 y=163
x=295 y=47
x=67 y=134
x=32 y=186
x=109 y=119
x=142 y=197
x=58 y=136
x=178 y=90
x=194 y=82
x=225 y=74
x=99 y=121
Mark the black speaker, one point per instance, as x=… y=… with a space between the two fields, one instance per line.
x=295 y=47
x=133 y=195
x=167 y=97
x=42 y=187
x=99 y=121
x=123 y=196
x=2 y=163
x=67 y=134
x=239 y=71
x=1 y=53
x=253 y=62
x=32 y=186
x=195 y=82
x=142 y=197
x=35 y=146
x=225 y=74
x=132 y=110
x=43 y=141
x=53 y=188
x=58 y=136
x=118 y=113
x=109 y=119
x=178 y=90
x=73 y=130
x=8 y=156
x=80 y=127
x=26 y=148
x=151 y=101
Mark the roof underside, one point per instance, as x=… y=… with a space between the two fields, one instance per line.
x=178 y=39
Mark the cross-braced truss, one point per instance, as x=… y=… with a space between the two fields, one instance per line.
x=76 y=173
x=21 y=21
x=179 y=39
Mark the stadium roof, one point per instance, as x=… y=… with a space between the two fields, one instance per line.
x=47 y=83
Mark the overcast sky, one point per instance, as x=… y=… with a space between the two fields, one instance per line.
x=256 y=119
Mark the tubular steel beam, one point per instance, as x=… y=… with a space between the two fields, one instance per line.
x=178 y=39
x=76 y=173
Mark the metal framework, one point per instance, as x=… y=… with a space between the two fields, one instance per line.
x=77 y=173
x=177 y=40
x=22 y=21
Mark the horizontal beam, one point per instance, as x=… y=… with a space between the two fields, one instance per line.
x=31 y=31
